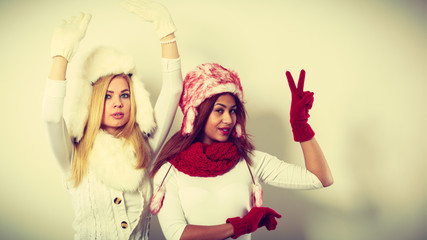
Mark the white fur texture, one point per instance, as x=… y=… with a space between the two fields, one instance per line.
x=202 y=83
x=144 y=110
x=157 y=200
x=256 y=195
x=101 y=62
x=114 y=163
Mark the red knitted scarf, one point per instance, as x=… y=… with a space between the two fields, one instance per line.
x=203 y=160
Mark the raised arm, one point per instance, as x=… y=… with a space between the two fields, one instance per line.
x=64 y=44
x=170 y=93
x=302 y=101
x=161 y=19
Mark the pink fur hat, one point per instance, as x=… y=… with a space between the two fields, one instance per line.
x=202 y=83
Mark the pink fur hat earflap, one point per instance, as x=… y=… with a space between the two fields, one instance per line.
x=202 y=83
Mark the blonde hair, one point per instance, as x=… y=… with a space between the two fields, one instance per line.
x=130 y=131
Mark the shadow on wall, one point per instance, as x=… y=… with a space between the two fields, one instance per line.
x=303 y=215
x=272 y=136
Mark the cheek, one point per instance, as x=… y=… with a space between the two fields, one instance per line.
x=209 y=124
x=127 y=108
x=234 y=119
x=105 y=108
x=128 y=105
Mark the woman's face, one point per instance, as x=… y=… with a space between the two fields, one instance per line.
x=221 y=120
x=116 y=105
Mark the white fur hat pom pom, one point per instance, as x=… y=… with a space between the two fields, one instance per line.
x=256 y=195
x=157 y=200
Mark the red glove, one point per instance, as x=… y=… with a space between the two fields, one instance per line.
x=256 y=218
x=301 y=103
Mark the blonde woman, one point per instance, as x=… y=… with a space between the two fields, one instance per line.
x=105 y=143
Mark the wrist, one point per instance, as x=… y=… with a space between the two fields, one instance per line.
x=59 y=68
x=167 y=37
x=169 y=46
x=302 y=131
x=165 y=28
x=59 y=58
x=168 y=41
x=239 y=226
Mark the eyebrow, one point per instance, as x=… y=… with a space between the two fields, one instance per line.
x=224 y=105
x=124 y=90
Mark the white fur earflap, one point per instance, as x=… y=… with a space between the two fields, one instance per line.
x=101 y=62
x=76 y=107
x=144 y=110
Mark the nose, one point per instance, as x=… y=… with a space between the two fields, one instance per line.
x=118 y=103
x=226 y=118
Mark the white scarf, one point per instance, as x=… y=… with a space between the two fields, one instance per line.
x=113 y=163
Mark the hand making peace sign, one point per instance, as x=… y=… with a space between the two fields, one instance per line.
x=300 y=105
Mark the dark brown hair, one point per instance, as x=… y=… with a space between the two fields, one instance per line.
x=178 y=143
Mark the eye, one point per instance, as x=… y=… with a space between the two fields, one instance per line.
x=107 y=96
x=233 y=111
x=219 y=110
x=125 y=95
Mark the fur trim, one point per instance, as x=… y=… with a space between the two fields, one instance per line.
x=256 y=195
x=101 y=62
x=145 y=112
x=238 y=130
x=105 y=61
x=157 y=200
x=202 y=83
x=76 y=107
x=113 y=163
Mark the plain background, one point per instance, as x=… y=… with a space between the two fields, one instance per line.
x=365 y=61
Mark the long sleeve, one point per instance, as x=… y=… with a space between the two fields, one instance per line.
x=171 y=216
x=52 y=110
x=271 y=170
x=167 y=102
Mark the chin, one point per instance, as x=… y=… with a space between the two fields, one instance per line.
x=225 y=139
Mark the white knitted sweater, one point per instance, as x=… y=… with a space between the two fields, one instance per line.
x=111 y=203
x=211 y=200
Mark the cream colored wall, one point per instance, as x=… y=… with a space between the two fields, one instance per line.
x=365 y=61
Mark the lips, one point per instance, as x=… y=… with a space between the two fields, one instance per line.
x=118 y=115
x=225 y=131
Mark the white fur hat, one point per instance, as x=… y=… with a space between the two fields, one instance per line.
x=104 y=61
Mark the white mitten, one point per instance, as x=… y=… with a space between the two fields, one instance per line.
x=152 y=12
x=67 y=36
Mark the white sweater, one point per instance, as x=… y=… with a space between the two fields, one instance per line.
x=211 y=200
x=102 y=210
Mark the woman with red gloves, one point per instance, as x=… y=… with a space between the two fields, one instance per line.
x=207 y=177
